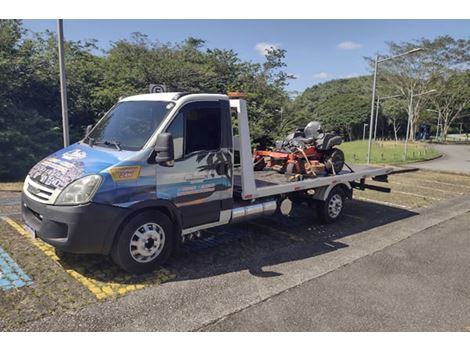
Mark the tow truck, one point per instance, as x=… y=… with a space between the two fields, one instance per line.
x=157 y=169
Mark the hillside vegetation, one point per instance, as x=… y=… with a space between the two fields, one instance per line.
x=30 y=113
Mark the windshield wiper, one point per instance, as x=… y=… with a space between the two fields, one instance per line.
x=112 y=142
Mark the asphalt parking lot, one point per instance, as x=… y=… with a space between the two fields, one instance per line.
x=275 y=254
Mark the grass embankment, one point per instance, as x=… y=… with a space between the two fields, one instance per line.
x=387 y=152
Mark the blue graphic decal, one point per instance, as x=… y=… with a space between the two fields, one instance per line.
x=11 y=275
x=73 y=162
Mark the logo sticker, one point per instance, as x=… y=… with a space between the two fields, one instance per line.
x=124 y=173
x=74 y=155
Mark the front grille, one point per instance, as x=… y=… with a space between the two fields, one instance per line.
x=40 y=192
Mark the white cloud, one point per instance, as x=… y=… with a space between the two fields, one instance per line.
x=322 y=75
x=263 y=47
x=350 y=75
x=349 y=45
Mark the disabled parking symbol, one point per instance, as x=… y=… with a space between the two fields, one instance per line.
x=11 y=275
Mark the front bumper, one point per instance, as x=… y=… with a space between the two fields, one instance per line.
x=87 y=228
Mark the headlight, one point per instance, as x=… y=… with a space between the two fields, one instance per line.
x=79 y=191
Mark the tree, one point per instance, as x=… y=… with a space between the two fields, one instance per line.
x=30 y=112
x=453 y=97
x=27 y=133
x=341 y=105
x=413 y=74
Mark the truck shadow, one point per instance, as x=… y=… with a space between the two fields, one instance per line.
x=274 y=240
x=250 y=246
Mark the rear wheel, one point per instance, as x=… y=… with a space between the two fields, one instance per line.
x=144 y=243
x=334 y=160
x=331 y=208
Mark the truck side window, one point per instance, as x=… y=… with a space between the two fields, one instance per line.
x=176 y=129
x=203 y=129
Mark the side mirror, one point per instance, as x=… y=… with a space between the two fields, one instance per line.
x=165 y=153
x=88 y=130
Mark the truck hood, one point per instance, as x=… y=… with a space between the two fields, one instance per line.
x=78 y=160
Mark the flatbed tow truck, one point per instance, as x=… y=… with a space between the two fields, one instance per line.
x=157 y=169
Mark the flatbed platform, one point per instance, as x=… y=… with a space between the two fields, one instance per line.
x=270 y=182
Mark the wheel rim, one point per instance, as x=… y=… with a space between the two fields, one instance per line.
x=147 y=242
x=335 y=205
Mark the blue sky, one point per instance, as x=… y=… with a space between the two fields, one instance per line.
x=317 y=50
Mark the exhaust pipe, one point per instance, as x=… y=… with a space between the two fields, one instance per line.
x=254 y=211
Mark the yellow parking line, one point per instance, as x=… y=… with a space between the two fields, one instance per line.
x=50 y=252
x=99 y=289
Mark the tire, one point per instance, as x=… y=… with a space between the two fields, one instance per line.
x=138 y=254
x=334 y=158
x=331 y=209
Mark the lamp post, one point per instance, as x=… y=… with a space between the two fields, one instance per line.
x=374 y=85
x=410 y=114
x=364 y=131
x=438 y=121
x=377 y=111
x=63 y=82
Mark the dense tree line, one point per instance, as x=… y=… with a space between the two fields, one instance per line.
x=30 y=115
x=442 y=66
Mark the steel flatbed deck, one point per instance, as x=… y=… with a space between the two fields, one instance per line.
x=270 y=182
x=250 y=184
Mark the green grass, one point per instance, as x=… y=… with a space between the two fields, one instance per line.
x=387 y=152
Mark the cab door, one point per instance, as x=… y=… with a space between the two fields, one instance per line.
x=199 y=182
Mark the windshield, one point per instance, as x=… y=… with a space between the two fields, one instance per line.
x=129 y=124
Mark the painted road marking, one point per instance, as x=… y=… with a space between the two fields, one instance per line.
x=396 y=205
x=424 y=187
x=417 y=195
x=11 y=275
x=445 y=183
x=101 y=289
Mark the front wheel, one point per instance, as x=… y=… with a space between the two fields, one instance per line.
x=331 y=208
x=145 y=242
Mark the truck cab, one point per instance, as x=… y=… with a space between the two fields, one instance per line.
x=157 y=168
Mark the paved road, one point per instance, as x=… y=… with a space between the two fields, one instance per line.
x=411 y=273
x=421 y=283
x=456 y=158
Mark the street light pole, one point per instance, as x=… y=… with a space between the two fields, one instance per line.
x=410 y=114
x=63 y=82
x=438 y=121
x=379 y=98
x=371 y=123
x=377 y=108
x=374 y=85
